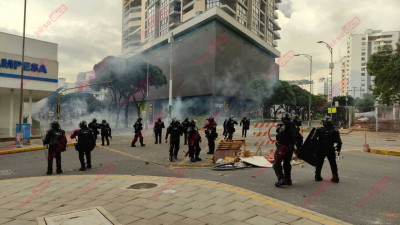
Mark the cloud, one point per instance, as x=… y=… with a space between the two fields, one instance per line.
x=89 y=30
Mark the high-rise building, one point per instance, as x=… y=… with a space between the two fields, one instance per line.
x=145 y=20
x=212 y=49
x=359 y=48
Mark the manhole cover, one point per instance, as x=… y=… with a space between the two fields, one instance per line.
x=96 y=215
x=142 y=186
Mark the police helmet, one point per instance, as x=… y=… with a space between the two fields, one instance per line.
x=285 y=117
x=211 y=118
x=94 y=120
x=83 y=124
x=55 y=125
x=104 y=121
x=139 y=119
x=327 y=121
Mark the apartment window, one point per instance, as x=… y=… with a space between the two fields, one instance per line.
x=363 y=64
x=363 y=79
x=163 y=24
x=163 y=3
x=362 y=69
x=242 y=12
x=244 y=2
x=212 y=3
x=362 y=59
x=376 y=42
x=362 y=74
x=363 y=39
x=387 y=36
x=242 y=21
x=362 y=89
x=164 y=13
x=362 y=48
x=362 y=84
x=363 y=53
x=363 y=43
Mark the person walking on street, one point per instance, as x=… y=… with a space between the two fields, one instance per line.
x=194 y=140
x=86 y=143
x=138 y=126
x=176 y=131
x=287 y=137
x=211 y=134
x=94 y=126
x=185 y=125
x=57 y=142
x=325 y=138
x=230 y=127
x=158 y=126
x=105 y=130
x=245 y=127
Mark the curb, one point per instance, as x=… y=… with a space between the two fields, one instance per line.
x=385 y=152
x=29 y=149
x=297 y=210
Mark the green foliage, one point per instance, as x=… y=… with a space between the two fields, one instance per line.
x=366 y=103
x=385 y=67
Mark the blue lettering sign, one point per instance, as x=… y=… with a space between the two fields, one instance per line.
x=27 y=66
x=14 y=64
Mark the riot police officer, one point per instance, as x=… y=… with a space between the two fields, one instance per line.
x=194 y=140
x=211 y=134
x=297 y=122
x=55 y=138
x=245 y=127
x=138 y=126
x=85 y=145
x=94 y=126
x=105 y=132
x=175 y=130
x=185 y=125
x=230 y=127
x=287 y=137
x=325 y=138
x=158 y=126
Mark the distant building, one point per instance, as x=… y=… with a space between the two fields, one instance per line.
x=359 y=48
x=62 y=83
x=84 y=78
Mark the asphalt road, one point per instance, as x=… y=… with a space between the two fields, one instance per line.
x=373 y=180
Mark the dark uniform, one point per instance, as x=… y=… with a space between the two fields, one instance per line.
x=138 y=126
x=230 y=127
x=57 y=142
x=245 y=127
x=325 y=138
x=194 y=140
x=176 y=131
x=211 y=134
x=105 y=132
x=94 y=126
x=287 y=137
x=185 y=125
x=85 y=145
x=297 y=122
x=158 y=126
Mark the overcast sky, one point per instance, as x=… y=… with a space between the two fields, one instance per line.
x=91 y=29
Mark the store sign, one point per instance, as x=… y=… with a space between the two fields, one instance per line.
x=14 y=64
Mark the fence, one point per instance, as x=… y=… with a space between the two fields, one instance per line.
x=383 y=118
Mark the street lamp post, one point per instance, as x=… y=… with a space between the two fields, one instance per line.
x=330 y=67
x=170 y=76
x=21 y=101
x=309 y=57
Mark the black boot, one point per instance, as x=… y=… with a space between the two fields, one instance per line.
x=141 y=144
x=335 y=179
x=175 y=157
x=280 y=183
x=318 y=178
x=288 y=181
x=59 y=171
x=89 y=166
x=82 y=169
x=133 y=145
x=170 y=158
x=192 y=160
x=49 y=173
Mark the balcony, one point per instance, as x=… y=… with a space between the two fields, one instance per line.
x=276 y=26
x=174 y=22
x=276 y=35
x=275 y=43
x=175 y=10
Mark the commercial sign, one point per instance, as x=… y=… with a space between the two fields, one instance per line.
x=14 y=64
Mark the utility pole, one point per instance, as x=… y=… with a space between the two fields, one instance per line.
x=170 y=76
x=21 y=100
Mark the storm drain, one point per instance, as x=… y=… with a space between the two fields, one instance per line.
x=97 y=215
x=140 y=186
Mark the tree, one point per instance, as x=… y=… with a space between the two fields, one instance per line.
x=385 y=67
x=129 y=82
x=366 y=103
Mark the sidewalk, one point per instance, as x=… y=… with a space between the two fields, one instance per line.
x=161 y=200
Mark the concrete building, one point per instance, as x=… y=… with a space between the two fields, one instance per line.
x=40 y=77
x=359 y=48
x=219 y=45
x=62 y=83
